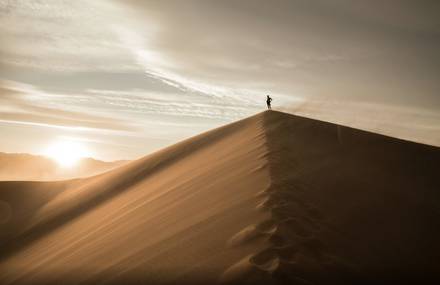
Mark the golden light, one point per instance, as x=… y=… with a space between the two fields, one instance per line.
x=66 y=153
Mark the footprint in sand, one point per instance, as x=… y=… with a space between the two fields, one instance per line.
x=266 y=260
x=253 y=232
x=280 y=269
x=245 y=235
x=260 y=167
x=264 y=204
x=245 y=272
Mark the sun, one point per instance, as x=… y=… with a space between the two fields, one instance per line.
x=66 y=153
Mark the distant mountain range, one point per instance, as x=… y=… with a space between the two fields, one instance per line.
x=22 y=166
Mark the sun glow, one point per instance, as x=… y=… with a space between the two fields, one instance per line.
x=66 y=153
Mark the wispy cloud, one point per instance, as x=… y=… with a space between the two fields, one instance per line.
x=188 y=105
x=135 y=66
x=25 y=104
x=64 y=35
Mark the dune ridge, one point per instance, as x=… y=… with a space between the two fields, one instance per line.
x=203 y=183
x=272 y=199
x=346 y=207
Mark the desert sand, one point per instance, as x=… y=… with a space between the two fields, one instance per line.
x=271 y=199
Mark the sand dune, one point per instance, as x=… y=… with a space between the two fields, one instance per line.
x=273 y=199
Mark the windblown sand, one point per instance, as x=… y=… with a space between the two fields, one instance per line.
x=272 y=199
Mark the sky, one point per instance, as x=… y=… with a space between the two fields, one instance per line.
x=126 y=78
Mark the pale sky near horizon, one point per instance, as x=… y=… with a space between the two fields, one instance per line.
x=126 y=78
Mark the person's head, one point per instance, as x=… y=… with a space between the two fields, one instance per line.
x=267 y=96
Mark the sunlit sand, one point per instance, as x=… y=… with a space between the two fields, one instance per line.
x=272 y=199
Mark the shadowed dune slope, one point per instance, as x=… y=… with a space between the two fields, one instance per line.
x=355 y=207
x=274 y=199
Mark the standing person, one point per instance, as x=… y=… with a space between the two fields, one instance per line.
x=268 y=100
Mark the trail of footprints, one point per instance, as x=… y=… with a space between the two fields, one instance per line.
x=294 y=252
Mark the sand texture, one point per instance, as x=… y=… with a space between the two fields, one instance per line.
x=271 y=199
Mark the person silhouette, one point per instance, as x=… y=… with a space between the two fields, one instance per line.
x=268 y=101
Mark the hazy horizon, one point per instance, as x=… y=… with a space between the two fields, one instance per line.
x=120 y=79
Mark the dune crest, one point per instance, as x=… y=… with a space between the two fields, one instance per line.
x=272 y=199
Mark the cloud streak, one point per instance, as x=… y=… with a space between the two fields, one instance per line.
x=65 y=36
x=21 y=103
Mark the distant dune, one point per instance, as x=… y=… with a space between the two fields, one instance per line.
x=22 y=166
x=272 y=199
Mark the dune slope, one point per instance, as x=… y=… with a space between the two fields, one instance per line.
x=274 y=199
x=351 y=207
